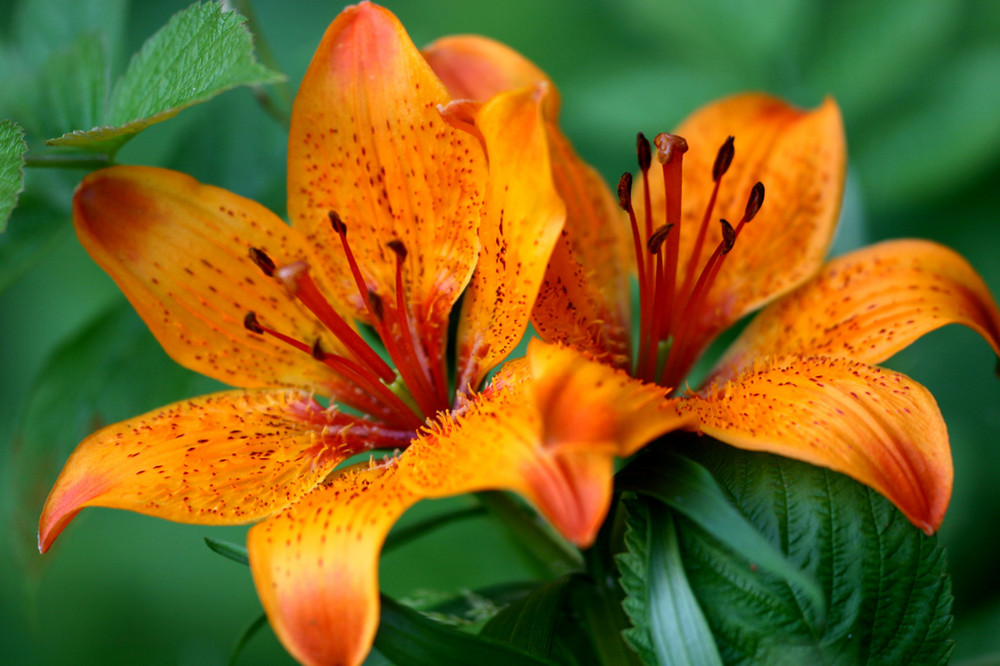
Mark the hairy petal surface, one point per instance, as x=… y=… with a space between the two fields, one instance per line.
x=368 y=142
x=800 y=157
x=548 y=428
x=877 y=426
x=221 y=459
x=179 y=252
x=523 y=217
x=869 y=304
x=315 y=565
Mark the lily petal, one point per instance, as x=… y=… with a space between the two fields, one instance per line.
x=584 y=300
x=315 y=565
x=554 y=423
x=800 y=157
x=367 y=142
x=877 y=426
x=479 y=68
x=524 y=215
x=869 y=304
x=584 y=297
x=222 y=459
x=179 y=252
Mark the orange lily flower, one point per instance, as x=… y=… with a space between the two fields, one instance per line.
x=395 y=212
x=800 y=380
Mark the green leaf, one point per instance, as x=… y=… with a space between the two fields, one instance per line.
x=198 y=54
x=229 y=550
x=887 y=589
x=530 y=624
x=12 y=149
x=689 y=489
x=407 y=637
x=259 y=623
x=669 y=627
x=72 y=86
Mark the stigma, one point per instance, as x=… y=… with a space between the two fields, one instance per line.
x=672 y=301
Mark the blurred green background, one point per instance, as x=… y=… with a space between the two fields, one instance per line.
x=919 y=86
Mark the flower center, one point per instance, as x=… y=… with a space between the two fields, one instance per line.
x=671 y=304
x=412 y=392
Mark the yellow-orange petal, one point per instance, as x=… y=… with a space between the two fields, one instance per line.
x=367 y=141
x=548 y=428
x=800 y=157
x=877 y=426
x=179 y=252
x=584 y=299
x=315 y=565
x=523 y=217
x=222 y=459
x=869 y=304
x=478 y=68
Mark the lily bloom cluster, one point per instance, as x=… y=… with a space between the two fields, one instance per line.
x=415 y=178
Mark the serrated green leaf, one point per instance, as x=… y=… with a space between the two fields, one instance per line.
x=669 y=628
x=888 y=593
x=12 y=149
x=409 y=638
x=530 y=624
x=229 y=550
x=198 y=54
x=689 y=489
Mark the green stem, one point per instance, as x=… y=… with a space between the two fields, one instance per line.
x=67 y=161
x=278 y=109
x=404 y=535
x=546 y=547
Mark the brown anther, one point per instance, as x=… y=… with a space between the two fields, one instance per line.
x=317 y=350
x=728 y=237
x=655 y=241
x=251 y=324
x=264 y=262
x=625 y=191
x=337 y=223
x=397 y=246
x=754 y=201
x=376 y=304
x=643 y=151
x=668 y=145
x=723 y=159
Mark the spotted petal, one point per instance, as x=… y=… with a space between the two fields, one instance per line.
x=800 y=157
x=869 y=304
x=549 y=428
x=877 y=426
x=222 y=459
x=179 y=252
x=316 y=564
x=524 y=215
x=367 y=141
x=584 y=296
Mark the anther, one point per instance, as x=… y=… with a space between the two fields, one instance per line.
x=625 y=191
x=264 y=262
x=656 y=240
x=668 y=145
x=643 y=151
x=754 y=201
x=728 y=237
x=337 y=223
x=375 y=302
x=723 y=159
x=397 y=246
x=317 y=350
x=251 y=324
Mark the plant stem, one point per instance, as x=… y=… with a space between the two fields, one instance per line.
x=545 y=546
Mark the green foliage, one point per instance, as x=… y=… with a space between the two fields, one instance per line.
x=668 y=625
x=229 y=550
x=200 y=53
x=530 y=624
x=409 y=638
x=12 y=149
x=887 y=591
